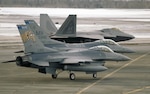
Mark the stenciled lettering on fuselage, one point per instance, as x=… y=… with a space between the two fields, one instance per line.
x=27 y=36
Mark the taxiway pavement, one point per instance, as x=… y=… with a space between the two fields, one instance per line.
x=131 y=77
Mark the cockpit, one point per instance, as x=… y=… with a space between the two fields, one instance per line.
x=101 y=48
x=107 y=41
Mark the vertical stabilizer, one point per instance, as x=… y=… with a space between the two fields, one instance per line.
x=31 y=43
x=47 y=24
x=40 y=33
x=68 y=28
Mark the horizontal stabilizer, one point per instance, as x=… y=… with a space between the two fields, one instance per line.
x=19 y=51
x=10 y=61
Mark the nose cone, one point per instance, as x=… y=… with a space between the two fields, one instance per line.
x=122 y=57
x=121 y=49
x=131 y=37
x=127 y=37
x=127 y=50
x=116 y=57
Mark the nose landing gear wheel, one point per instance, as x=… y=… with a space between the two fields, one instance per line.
x=72 y=76
x=94 y=75
x=54 y=76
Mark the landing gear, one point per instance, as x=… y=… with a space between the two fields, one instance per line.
x=103 y=64
x=95 y=75
x=72 y=76
x=19 y=61
x=54 y=76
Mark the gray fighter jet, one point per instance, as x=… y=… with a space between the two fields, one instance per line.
x=49 y=60
x=67 y=32
x=43 y=36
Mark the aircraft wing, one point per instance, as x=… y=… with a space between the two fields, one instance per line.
x=91 y=35
x=109 y=35
x=65 y=61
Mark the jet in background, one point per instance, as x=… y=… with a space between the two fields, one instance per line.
x=67 y=31
x=115 y=34
x=49 y=60
x=44 y=38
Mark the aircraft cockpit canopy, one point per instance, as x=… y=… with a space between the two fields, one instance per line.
x=107 y=41
x=102 y=48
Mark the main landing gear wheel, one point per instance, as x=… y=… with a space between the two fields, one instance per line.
x=94 y=75
x=54 y=76
x=72 y=76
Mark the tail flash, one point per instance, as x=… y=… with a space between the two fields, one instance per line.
x=68 y=28
x=40 y=33
x=47 y=25
x=30 y=41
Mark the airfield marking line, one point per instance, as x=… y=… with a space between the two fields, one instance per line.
x=147 y=87
x=86 y=88
x=137 y=90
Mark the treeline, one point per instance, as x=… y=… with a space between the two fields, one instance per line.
x=77 y=3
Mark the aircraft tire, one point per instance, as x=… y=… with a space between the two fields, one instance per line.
x=94 y=75
x=19 y=61
x=54 y=76
x=72 y=76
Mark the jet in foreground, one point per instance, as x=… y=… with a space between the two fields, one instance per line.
x=67 y=32
x=49 y=60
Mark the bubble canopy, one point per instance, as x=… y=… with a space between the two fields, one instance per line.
x=102 y=48
x=107 y=41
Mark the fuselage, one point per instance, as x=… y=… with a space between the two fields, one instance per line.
x=89 y=55
x=78 y=46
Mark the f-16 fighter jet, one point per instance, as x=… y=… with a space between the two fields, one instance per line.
x=49 y=60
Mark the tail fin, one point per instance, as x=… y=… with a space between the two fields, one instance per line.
x=47 y=24
x=41 y=34
x=68 y=28
x=31 y=43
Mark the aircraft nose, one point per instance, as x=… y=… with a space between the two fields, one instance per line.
x=127 y=50
x=121 y=49
x=132 y=37
x=123 y=58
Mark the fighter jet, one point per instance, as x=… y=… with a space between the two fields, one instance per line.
x=115 y=34
x=49 y=60
x=42 y=35
x=67 y=32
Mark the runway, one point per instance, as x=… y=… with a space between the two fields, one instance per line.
x=130 y=77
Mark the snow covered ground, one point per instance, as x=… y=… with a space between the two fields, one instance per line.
x=132 y=21
x=63 y=12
